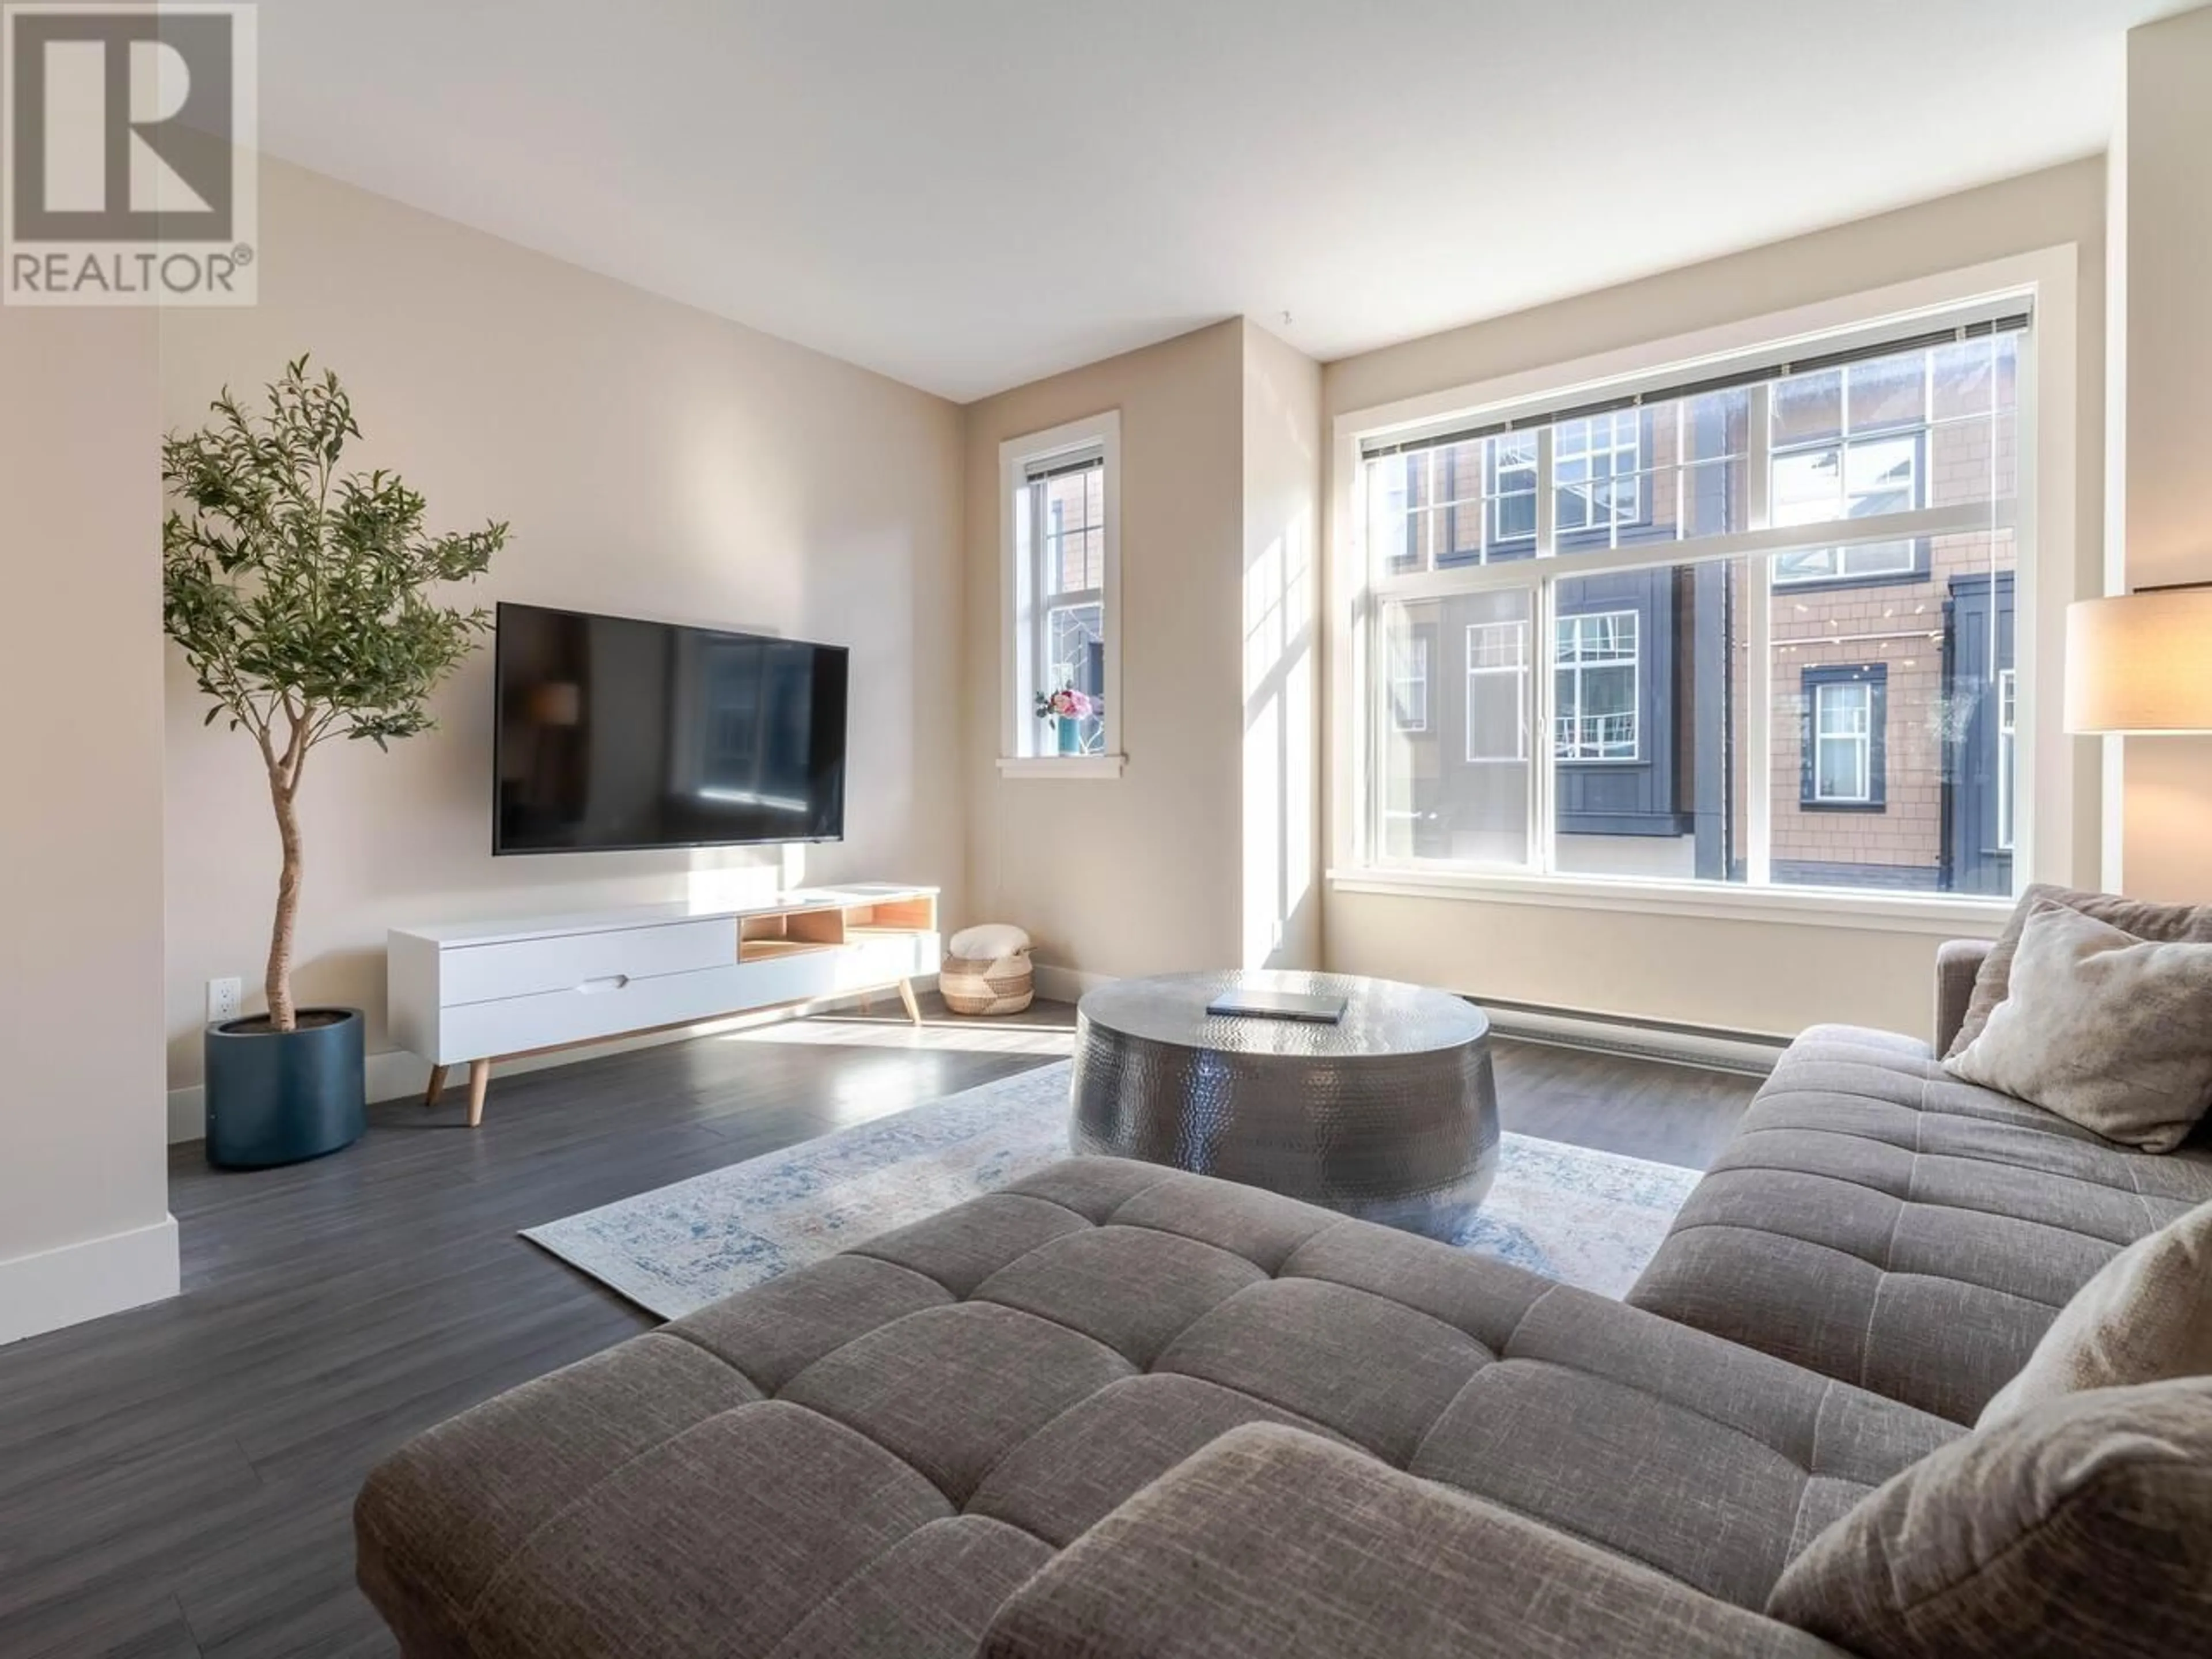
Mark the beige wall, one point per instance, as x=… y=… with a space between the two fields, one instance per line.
x=1281 y=647
x=1139 y=873
x=654 y=461
x=1738 y=973
x=84 y=1227
x=2162 y=348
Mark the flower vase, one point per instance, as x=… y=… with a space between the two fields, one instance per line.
x=1071 y=736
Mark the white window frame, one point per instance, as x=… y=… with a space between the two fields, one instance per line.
x=2043 y=518
x=1861 y=739
x=1574 y=751
x=2007 y=696
x=1516 y=630
x=1022 y=751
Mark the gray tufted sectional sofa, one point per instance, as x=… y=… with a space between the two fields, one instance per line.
x=1116 y=1409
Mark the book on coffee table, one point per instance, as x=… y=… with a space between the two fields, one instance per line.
x=1313 y=1009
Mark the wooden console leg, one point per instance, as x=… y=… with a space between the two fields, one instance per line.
x=479 y=1080
x=437 y=1089
x=906 y=995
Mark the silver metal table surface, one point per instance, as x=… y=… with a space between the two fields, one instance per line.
x=1390 y=1115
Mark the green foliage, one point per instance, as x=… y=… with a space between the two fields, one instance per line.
x=302 y=598
x=299 y=596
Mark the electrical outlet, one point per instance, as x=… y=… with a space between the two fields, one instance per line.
x=223 y=996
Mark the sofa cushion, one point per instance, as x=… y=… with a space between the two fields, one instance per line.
x=988 y=941
x=2146 y=1316
x=923 y=1598
x=1694 y=1457
x=1032 y=1358
x=1273 y=1543
x=2160 y=923
x=2082 y=1528
x=2110 y=1031
x=1882 y=1222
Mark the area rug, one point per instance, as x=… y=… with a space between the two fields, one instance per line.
x=1587 y=1217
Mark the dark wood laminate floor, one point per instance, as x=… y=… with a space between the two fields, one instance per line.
x=175 y=1482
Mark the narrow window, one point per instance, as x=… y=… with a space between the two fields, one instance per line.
x=1844 y=742
x=1062 y=549
x=1409 y=682
x=1497 y=691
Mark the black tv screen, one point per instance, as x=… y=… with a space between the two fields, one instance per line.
x=616 y=735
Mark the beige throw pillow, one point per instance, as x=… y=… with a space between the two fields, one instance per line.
x=2080 y=1529
x=2163 y=924
x=2146 y=1316
x=2105 y=1029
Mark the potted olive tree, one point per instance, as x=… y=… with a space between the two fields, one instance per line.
x=302 y=601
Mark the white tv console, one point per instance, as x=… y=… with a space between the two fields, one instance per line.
x=479 y=993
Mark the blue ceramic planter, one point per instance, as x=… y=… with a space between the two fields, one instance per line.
x=1071 y=737
x=282 y=1098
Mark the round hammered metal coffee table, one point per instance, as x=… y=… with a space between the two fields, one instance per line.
x=1390 y=1115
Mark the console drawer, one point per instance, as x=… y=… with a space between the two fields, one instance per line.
x=527 y=967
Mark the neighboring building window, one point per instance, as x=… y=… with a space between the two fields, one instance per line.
x=1595 y=718
x=1595 y=468
x=1844 y=737
x=1851 y=443
x=1063 y=552
x=1497 y=691
x=2008 y=753
x=1512 y=496
x=1409 y=682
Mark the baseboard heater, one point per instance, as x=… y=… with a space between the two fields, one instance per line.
x=1748 y=1052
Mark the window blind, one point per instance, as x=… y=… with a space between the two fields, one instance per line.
x=1754 y=370
x=1058 y=466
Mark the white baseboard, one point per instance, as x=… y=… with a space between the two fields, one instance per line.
x=47 y=1291
x=1677 y=1045
x=395 y=1074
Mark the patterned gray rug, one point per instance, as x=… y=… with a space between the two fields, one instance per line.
x=1587 y=1217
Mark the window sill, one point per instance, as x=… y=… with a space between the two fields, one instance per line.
x=1946 y=915
x=1062 y=766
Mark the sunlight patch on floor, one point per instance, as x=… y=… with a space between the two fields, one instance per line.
x=966 y=1034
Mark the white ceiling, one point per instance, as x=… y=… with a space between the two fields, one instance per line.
x=969 y=194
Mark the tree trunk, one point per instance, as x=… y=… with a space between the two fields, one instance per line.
x=281 y=1016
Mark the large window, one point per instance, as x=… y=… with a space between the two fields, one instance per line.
x=1061 y=587
x=1779 y=602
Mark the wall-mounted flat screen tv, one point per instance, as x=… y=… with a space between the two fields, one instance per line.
x=617 y=735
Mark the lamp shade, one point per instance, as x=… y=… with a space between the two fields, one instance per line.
x=2140 y=662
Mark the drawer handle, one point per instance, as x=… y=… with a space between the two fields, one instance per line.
x=612 y=982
